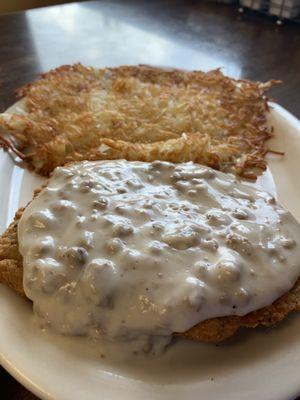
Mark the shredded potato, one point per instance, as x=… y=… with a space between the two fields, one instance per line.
x=140 y=113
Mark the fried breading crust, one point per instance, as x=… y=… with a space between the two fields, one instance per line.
x=11 y=262
x=212 y=330
x=140 y=113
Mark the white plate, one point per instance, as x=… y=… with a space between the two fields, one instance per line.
x=262 y=364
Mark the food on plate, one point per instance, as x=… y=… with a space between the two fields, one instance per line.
x=74 y=113
x=124 y=250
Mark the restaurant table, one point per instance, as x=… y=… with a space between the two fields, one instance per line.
x=183 y=34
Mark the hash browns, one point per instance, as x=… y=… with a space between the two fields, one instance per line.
x=74 y=113
x=211 y=330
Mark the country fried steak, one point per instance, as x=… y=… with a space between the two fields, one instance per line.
x=211 y=330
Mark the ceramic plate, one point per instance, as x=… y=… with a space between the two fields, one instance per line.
x=262 y=364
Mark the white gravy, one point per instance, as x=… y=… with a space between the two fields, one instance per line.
x=131 y=250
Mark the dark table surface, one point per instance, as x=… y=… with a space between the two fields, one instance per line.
x=184 y=34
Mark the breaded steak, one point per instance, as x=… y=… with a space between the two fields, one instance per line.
x=212 y=330
x=75 y=113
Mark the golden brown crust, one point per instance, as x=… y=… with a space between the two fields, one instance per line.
x=74 y=112
x=218 y=329
x=11 y=261
x=213 y=330
x=11 y=268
